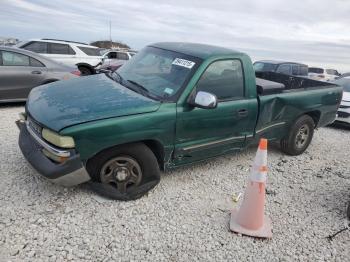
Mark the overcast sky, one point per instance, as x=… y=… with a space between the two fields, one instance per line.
x=316 y=32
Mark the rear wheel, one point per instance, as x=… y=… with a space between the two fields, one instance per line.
x=299 y=136
x=125 y=172
x=85 y=71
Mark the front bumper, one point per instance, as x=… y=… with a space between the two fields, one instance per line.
x=70 y=173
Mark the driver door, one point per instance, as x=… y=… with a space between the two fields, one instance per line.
x=204 y=133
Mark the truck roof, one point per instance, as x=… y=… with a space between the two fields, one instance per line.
x=198 y=50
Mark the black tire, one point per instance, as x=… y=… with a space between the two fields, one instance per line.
x=144 y=166
x=348 y=211
x=299 y=136
x=85 y=71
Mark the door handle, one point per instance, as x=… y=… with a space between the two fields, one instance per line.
x=36 y=72
x=242 y=112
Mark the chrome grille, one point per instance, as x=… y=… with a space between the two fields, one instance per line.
x=36 y=128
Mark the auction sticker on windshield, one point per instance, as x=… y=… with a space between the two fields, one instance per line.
x=183 y=63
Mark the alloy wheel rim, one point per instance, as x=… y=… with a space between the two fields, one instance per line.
x=302 y=136
x=123 y=172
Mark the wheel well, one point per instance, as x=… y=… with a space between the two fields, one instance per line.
x=315 y=115
x=157 y=149
x=155 y=146
x=86 y=66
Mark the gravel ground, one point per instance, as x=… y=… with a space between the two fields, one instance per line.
x=186 y=217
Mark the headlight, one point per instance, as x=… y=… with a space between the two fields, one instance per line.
x=58 y=140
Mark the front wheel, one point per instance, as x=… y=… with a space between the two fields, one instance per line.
x=299 y=136
x=126 y=172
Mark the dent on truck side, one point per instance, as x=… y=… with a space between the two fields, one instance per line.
x=159 y=126
x=279 y=111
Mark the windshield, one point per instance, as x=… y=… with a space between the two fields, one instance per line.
x=264 y=67
x=160 y=72
x=344 y=82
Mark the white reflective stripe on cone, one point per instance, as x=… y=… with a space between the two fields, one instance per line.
x=258 y=176
x=260 y=158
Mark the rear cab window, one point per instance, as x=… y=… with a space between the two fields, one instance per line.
x=224 y=79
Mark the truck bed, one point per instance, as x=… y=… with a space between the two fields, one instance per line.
x=283 y=98
x=274 y=83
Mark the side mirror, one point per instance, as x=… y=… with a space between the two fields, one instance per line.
x=204 y=100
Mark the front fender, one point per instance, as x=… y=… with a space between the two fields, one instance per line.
x=93 y=137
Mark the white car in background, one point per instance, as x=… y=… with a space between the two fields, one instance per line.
x=318 y=73
x=113 y=56
x=343 y=114
x=84 y=56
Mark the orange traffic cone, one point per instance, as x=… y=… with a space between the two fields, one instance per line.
x=250 y=219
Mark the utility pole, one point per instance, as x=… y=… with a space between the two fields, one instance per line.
x=110 y=32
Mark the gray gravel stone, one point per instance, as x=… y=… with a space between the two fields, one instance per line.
x=185 y=218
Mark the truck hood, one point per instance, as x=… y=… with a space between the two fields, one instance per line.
x=89 y=98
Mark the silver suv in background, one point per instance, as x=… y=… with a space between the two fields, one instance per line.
x=22 y=70
x=318 y=73
x=84 y=56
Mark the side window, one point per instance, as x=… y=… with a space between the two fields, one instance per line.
x=61 y=49
x=284 y=69
x=112 y=55
x=36 y=63
x=14 y=59
x=37 y=47
x=223 y=79
x=295 y=70
x=122 y=56
x=303 y=71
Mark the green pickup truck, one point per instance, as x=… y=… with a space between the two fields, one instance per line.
x=172 y=104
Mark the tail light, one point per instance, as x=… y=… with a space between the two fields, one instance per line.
x=76 y=72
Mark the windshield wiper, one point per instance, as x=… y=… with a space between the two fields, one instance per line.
x=138 y=85
x=119 y=77
x=144 y=90
x=140 y=88
x=112 y=76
